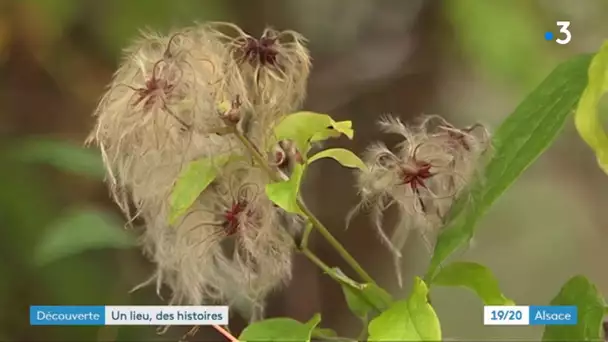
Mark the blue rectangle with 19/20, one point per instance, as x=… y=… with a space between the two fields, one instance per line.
x=67 y=315
x=553 y=315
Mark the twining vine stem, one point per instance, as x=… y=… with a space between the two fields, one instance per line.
x=350 y=260
x=329 y=271
x=336 y=244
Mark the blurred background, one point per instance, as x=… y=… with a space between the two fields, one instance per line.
x=62 y=240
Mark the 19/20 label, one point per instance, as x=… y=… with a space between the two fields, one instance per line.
x=506 y=315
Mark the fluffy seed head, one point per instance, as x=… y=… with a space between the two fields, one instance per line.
x=276 y=66
x=231 y=247
x=162 y=111
x=426 y=172
x=159 y=109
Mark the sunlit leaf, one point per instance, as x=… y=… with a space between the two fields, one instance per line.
x=80 y=231
x=280 y=330
x=343 y=156
x=285 y=193
x=193 y=180
x=521 y=138
x=337 y=129
x=579 y=291
x=586 y=117
x=304 y=127
x=475 y=277
x=413 y=319
x=63 y=155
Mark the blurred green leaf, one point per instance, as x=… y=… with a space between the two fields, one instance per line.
x=475 y=277
x=79 y=231
x=485 y=30
x=280 y=330
x=27 y=205
x=304 y=127
x=413 y=319
x=5 y=283
x=192 y=181
x=521 y=138
x=586 y=117
x=582 y=293
x=59 y=14
x=343 y=156
x=120 y=21
x=62 y=155
x=285 y=193
x=23 y=188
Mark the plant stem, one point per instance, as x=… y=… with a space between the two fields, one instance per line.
x=363 y=333
x=259 y=159
x=350 y=260
x=315 y=260
x=332 y=273
x=226 y=334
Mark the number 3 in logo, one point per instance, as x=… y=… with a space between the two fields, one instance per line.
x=563 y=25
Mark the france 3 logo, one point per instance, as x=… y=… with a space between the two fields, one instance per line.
x=564 y=35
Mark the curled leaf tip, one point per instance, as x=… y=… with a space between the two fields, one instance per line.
x=343 y=156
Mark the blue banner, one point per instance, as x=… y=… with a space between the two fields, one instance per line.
x=67 y=315
x=553 y=315
x=128 y=315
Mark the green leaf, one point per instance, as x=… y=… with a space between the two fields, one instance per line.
x=361 y=298
x=475 y=277
x=324 y=333
x=62 y=155
x=408 y=320
x=521 y=138
x=582 y=293
x=337 y=129
x=304 y=127
x=485 y=33
x=193 y=180
x=586 y=118
x=280 y=330
x=79 y=231
x=285 y=193
x=55 y=16
x=343 y=156
x=366 y=298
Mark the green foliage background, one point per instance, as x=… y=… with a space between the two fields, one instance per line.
x=62 y=241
